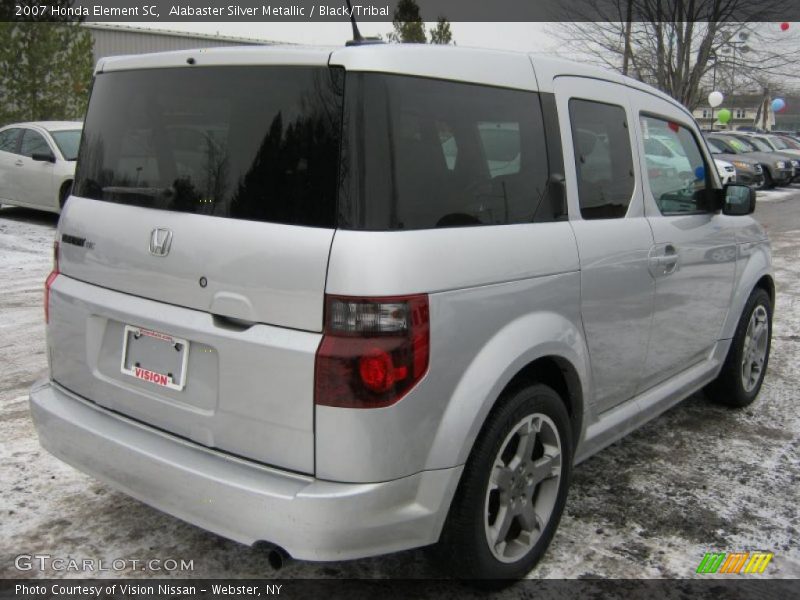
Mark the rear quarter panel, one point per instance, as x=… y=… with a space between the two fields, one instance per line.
x=500 y=297
x=753 y=261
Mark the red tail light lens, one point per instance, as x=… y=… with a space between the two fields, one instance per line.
x=49 y=282
x=373 y=351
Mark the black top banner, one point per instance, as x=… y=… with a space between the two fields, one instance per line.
x=384 y=10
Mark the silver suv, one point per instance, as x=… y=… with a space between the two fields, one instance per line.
x=353 y=301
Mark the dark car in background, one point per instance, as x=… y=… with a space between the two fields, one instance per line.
x=748 y=170
x=763 y=143
x=777 y=169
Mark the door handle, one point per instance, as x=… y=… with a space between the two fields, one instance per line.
x=19 y=163
x=666 y=263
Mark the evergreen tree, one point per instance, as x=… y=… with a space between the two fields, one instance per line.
x=441 y=34
x=45 y=71
x=408 y=25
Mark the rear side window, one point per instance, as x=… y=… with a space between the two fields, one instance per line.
x=257 y=143
x=603 y=158
x=759 y=145
x=8 y=140
x=422 y=153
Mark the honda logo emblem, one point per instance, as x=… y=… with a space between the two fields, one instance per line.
x=160 y=241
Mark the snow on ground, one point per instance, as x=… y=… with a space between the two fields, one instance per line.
x=699 y=478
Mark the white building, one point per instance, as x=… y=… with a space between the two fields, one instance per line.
x=114 y=40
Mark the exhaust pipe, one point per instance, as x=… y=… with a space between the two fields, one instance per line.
x=278 y=558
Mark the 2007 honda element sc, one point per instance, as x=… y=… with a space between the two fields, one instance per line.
x=357 y=300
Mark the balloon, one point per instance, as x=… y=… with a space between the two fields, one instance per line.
x=778 y=105
x=674 y=126
x=724 y=116
x=784 y=26
x=715 y=99
x=700 y=173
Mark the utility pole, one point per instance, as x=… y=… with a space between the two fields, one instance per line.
x=627 y=52
x=713 y=85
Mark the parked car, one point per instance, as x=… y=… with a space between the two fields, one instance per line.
x=748 y=170
x=358 y=324
x=790 y=140
x=777 y=169
x=778 y=145
x=37 y=163
x=670 y=155
x=763 y=145
x=726 y=170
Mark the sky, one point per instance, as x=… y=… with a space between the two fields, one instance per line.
x=528 y=37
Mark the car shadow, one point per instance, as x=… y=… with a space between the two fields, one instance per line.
x=28 y=215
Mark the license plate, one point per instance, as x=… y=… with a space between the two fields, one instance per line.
x=155 y=357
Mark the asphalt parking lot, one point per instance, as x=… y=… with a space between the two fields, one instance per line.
x=700 y=478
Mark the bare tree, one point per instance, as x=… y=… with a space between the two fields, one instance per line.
x=677 y=45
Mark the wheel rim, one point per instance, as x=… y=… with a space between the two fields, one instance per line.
x=523 y=487
x=754 y=351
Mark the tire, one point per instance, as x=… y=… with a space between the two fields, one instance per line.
x=742 y=374
x=490 y=484
x=769 y=184
x=63 y=194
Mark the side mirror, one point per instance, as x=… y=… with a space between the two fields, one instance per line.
x=43 y=157
x=739 y=200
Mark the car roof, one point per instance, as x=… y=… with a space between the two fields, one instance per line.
x=50 y=125
x=500 y=68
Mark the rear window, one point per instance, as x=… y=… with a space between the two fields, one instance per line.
x=422 y=153
x=257 y=143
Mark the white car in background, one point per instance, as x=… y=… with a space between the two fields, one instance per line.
x=661 y=150
x=726 y=170
x=37 y=163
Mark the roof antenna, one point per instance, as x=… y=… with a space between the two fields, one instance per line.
x=358 y=39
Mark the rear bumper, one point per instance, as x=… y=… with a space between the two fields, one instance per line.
x=310 y=518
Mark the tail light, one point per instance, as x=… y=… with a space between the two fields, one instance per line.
x=373 y=351
x=49 y=282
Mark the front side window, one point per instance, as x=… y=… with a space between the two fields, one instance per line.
x=676 y=182
x=68 y=141
x=255 y=143
x=423 y=153
x=714 y=147
x=33 y=143
x=603 y=158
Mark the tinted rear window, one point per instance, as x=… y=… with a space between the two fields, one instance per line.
x=421 y=153
x=258 y=143
x=603 y=158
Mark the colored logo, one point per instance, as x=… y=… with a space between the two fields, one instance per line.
x=734 y=562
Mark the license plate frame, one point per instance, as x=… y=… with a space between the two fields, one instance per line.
x=138 y=342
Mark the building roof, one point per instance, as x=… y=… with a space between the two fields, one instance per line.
x=175 y=33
